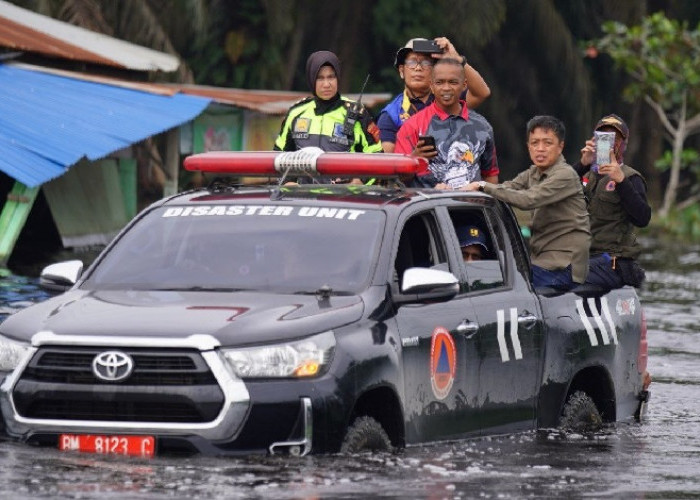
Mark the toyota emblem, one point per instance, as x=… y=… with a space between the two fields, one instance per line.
x=112 y=366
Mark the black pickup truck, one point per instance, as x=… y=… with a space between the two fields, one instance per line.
x=314 y=317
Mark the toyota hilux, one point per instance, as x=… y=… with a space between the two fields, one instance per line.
x=312 y=317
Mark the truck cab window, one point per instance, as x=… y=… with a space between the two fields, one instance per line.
x=419 y=245
x=480 y=248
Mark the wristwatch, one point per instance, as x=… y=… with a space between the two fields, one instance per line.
x=481 y=185
x=464 y=60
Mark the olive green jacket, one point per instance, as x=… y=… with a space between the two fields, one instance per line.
x=612 y=230
x=560 y=227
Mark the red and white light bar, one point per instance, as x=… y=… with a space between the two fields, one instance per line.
x=311 y=161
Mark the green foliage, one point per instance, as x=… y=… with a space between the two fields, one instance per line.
x=683 y=223
x=690 y=159
x=661 y=55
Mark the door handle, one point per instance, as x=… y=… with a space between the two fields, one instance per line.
x=527 y=319
x=467 y=328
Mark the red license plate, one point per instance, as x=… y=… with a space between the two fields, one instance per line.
x=135 y=446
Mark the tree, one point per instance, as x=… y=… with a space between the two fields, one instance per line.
x=660 y=55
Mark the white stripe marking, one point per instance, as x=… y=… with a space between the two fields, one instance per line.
x=514 y=333
x=599 y=321
x=586 y=324
x=501 y=335
x=608 y=318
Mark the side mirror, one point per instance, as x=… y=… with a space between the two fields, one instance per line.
x=427 y=283
x=61 y=276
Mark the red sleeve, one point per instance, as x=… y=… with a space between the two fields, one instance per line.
x=489 y=163
x=406 y=137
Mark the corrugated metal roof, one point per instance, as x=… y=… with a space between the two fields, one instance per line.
x=151 y=88
x=273 y=102
x=22 y=29
x=49 y=122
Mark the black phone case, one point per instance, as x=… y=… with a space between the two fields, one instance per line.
x=429 y=140
x=426 y=46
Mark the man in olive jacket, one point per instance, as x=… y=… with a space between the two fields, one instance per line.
x=551 y=189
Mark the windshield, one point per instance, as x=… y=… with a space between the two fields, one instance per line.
x=289 y=249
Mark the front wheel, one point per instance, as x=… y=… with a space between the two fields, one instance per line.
x=580 y=414
x=365 y=434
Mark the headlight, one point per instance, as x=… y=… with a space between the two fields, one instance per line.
x=11 y=353
x=303 y=358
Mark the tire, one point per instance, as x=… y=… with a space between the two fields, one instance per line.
x=365 y=434
x=580 y=414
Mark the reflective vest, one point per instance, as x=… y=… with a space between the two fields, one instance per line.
x=302 y=127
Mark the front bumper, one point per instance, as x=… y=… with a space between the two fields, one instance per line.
x=214 y=434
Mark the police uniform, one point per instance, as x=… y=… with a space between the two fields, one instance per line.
x=325 y=123
x=303 y=127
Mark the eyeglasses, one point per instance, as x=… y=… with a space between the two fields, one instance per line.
x=414 y=63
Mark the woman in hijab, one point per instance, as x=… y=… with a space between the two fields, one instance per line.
x=322 y=120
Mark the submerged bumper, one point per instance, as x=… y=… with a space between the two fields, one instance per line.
x=241 y=425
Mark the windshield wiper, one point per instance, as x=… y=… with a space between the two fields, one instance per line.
x=324 y=292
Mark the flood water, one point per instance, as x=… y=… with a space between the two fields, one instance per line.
x=659 y=458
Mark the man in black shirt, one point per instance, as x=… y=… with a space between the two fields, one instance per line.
x=617 y=204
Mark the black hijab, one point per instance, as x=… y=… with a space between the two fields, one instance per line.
x=313 y=65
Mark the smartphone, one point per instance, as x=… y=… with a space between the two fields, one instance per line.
x=604 y=143
x=426 y=47
x=428 y=140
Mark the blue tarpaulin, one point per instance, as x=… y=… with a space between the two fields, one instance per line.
x=48 y=122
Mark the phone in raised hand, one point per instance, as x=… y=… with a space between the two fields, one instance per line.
x=604 y=143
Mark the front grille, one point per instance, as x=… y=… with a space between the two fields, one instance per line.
x=165 y=386
x=150 y=368
x=142 y=411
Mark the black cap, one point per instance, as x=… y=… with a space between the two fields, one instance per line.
x=471 y=235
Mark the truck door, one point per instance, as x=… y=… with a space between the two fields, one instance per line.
x=509 y=339
x=440 y=364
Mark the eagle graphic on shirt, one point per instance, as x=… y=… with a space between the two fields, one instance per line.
x=454 y=165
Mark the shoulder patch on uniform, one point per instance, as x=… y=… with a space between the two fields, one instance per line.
x=301 y=101
x=373 y=131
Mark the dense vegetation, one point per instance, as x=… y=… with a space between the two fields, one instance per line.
x=533 y=54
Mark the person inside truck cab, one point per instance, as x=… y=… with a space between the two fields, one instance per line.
x=472 y=243
x=561 y=234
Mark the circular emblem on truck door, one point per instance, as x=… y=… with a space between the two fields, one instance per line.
x=443 y=362
x=112 y=366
